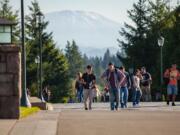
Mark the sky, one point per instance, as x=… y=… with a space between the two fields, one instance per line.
x=113 y=9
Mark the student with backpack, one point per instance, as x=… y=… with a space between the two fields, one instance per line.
x=114 y=78
x=126 y=84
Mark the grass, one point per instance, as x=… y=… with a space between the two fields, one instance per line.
x=25 y=111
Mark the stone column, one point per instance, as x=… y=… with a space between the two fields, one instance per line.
x=10 y=81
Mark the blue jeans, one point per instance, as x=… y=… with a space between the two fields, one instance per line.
x=136 y=96
x=172 y=89
x=80 y=94
x=123 y=96
x=114 y=97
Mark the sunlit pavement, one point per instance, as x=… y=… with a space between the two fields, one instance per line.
x=144 y=106
x=150 y=119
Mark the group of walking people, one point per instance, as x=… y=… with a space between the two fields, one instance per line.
x=118 y=82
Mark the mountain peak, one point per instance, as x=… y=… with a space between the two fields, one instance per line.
x=86 y=28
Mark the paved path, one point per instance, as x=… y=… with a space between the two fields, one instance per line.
x=150 y=119
x=42 y=123
x=71 y=119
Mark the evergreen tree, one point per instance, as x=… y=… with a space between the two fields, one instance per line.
x=55 y=65
x=151 y=19
x=106 y=58
x=172 y=40
x=74 y=58
x=134 y=44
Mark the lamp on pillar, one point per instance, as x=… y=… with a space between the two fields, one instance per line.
x=6 y=31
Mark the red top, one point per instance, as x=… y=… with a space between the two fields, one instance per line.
x=173 y=75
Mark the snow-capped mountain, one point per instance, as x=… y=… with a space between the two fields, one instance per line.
x=88 y=29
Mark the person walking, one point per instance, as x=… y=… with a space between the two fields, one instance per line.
x=96 y=93
x=146 y=85
x=136 y=93
x=89 y=80
x=172 y=89
x=114 y=78
x=79 y=87
x=126 y=84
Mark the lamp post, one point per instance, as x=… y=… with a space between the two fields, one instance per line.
x=39 y=19
x=24 y=99
x=37 y=61
x=161 y=43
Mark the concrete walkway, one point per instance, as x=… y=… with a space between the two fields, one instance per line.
x=71 y=119
x=42 y=123
x=151 y=119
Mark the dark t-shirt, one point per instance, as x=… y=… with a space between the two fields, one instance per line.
x=112 y=80
x=145 y=79
x=88 y=79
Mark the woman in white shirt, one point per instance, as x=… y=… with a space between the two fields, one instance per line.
x=136 y=94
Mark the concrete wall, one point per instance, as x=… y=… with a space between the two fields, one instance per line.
x=10 y=81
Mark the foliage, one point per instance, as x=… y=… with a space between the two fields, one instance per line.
x=55 y=65
x=151 y=19
x=74 y=58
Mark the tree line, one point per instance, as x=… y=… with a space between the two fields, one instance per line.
x=150 y=20
x=59 y=66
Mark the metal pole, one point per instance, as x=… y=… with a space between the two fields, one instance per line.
x=38 y=79
x=24 y=99
x=161 y=67
x=40 y=45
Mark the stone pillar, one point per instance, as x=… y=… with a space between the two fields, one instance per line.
x=10 y=81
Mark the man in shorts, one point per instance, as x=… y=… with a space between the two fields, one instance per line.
x=172 y=89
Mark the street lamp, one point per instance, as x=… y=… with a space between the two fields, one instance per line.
x=39 y=19
x=161 y=43
x=24 y=98
x=37 y=61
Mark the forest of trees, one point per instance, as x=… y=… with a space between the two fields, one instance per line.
x=151 y=19
x=59 y=68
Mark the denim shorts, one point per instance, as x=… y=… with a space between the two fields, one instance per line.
x=172 y=89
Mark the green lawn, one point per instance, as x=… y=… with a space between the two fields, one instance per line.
x=25 y=111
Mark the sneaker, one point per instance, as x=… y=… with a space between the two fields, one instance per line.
x=86 y=108
x=122 y=105
x=167 y=102
x=136 y=106
x=112 y=109
x=173 y=104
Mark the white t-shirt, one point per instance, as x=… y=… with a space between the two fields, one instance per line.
x=136 y=82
